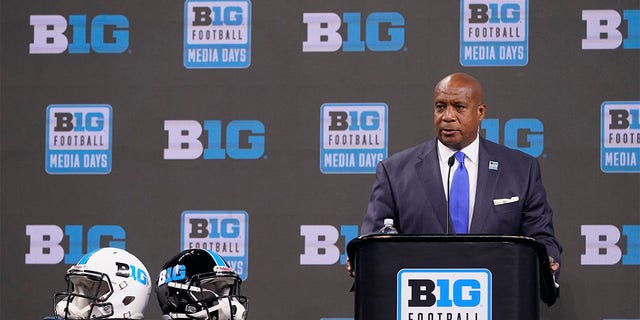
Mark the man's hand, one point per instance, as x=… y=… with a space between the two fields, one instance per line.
x=554 y=265
x=350 y=271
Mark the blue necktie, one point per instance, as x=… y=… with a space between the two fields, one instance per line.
x=459 y=202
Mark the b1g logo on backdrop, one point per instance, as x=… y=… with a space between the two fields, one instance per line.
x=603 y=245
x=353 y=137
x=444 y=294
x=242 y=139
x=47 y=242
x=383 y=31
x=107 y=33
x=620 y=136
x=494 y=32
x=217 y=34
x=321 y=243
x=78 y=139
x=223 y=232
x=604 y=29
x=524 y=134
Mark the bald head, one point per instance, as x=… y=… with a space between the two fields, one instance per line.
x=461 y=80
x=458 y=110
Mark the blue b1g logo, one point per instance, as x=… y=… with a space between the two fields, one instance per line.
x=47 y=243
x=604 y=30
x=107 y=33
x=620 y=136
x=217 y=34
x=78 y=139
x=533 y=137
x=353 y=137
x=444 y=294
x=223 y=232
x=241 y=139
x=494 y=32
x=321 y=243
x=383 y=31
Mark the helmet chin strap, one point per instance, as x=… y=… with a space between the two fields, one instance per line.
x=223 y=307
x=228 y=309
x=240 y=312
x=71 y=311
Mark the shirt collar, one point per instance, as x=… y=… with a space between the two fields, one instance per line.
x=471 y=151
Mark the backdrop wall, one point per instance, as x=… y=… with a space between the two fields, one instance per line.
x=253 y=129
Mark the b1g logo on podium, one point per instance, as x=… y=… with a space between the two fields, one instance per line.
x=353 y=137
x=223 y=232
x=494 y=32
x=620 y=136
x=444 y=294
x=217 y=34
x=78 y=139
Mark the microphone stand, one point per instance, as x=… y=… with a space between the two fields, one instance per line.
x=450 y=162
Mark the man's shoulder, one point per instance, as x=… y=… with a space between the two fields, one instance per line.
x=403 y=161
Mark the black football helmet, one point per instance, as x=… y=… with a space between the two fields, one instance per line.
x=199 y=284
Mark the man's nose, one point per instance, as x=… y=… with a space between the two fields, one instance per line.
x=449 y=113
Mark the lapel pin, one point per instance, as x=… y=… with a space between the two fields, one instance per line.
x=493 y=165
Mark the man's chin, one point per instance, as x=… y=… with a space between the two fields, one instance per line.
x=452 y=141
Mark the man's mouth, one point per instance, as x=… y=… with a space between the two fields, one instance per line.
x=448 y=132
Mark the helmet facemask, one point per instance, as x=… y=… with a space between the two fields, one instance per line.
x=85 y=297
x=219 y=293
x=206 y=296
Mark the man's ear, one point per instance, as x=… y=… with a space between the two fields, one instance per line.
x=481 y=110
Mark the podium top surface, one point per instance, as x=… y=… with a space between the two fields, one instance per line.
x=358 y=242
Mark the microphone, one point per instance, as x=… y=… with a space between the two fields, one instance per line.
x=450 y=162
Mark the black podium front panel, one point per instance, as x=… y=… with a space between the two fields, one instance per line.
x=423 y=278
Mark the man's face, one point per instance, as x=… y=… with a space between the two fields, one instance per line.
x=457 y=113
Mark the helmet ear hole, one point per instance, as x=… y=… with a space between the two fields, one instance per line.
x=172 y=302
x=208 y=297
x=127 y=300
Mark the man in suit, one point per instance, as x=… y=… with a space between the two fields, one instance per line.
x=505 y=191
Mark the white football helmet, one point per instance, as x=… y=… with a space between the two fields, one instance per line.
x=199 y=284
x=108 y=283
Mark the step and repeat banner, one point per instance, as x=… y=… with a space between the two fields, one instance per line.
x=253 y=128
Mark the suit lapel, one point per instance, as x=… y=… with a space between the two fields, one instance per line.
x=428 y=170
x=488 y=172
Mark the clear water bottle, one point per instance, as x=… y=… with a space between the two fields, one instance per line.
x=388 y=227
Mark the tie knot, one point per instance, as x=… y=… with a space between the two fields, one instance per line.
x=459 y=156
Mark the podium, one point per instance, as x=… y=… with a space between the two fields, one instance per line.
x=445 y=277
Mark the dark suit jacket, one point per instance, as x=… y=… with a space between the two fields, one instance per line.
x=408 y=189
